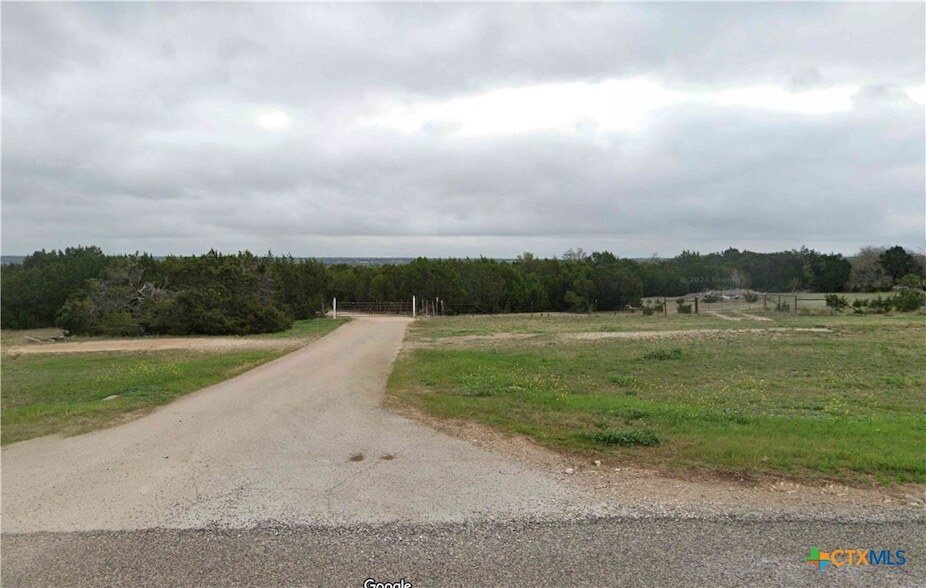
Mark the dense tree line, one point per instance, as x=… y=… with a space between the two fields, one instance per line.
x=211 y=294
x=580 y=282
x=33 y=292
x=84 y=291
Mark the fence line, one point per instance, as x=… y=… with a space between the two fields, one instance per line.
x=789 y=303
x=365 y=307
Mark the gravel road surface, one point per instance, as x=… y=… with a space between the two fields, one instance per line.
x=293 y=474
x=300 y=440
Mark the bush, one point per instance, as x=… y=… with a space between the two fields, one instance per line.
x=879 y=305
x=117 y=324
x=911 y=281
x=625 y=438
x=784 y=307
x=835 y=301
x=76 y=316
x=79 y=316
x=908 y=300
x=683 y=308
x=648 y=309
x=710 y=298
x=751 y=297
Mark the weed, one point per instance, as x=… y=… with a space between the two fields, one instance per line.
x=663 y=354
x=624 y=438
x=625 y=380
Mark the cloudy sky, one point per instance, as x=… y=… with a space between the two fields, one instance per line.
x=403 y=130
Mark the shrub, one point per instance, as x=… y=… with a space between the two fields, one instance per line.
x=911 y=281
x=79 y=316
x=710 y=298
x=76 y=316
x=908 y=300
x=784 y=307
x=835 y=301
x=860 y=303
x=118 y=324
x=625 y=438
x=879 y=304
x=683 y=308
x=751 y=297
x=648 y=309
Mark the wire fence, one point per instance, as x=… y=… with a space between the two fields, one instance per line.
x=789 y=303
x=360 y=307
x=784 y=303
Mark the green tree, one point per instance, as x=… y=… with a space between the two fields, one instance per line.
x=897 y=263
x=35 y=291
x=827 y=272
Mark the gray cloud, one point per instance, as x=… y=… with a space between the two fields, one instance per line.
x=132 y=126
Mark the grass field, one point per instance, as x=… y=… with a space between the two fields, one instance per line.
x=300 y=329
x=67 y=393
x=845 y=404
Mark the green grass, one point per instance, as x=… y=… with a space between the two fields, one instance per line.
x=553 y=324
x=309 y=328
x=65 y=393
x=306 y=328
x=846 y=405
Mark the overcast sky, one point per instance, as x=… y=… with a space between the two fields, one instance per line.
x=465 y=130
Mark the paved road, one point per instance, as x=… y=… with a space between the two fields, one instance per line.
x=602 y=552
x=293 y=474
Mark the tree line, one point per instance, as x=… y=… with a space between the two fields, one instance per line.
x=87 y=292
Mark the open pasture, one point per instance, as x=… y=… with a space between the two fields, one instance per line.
x=805 y=397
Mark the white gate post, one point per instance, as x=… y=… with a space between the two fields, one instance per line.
x=334 y=305
x=413 y=307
